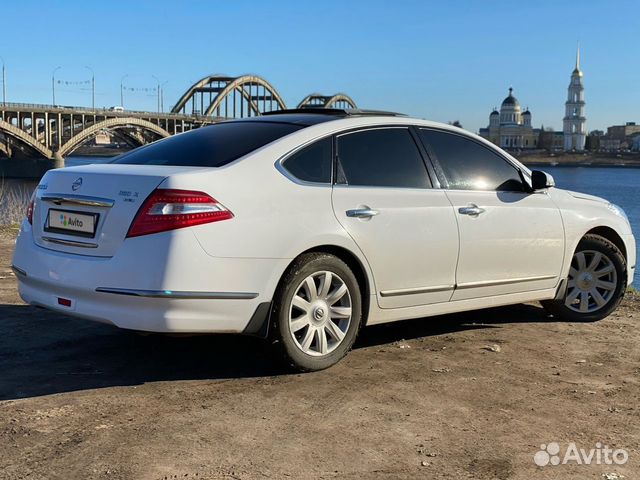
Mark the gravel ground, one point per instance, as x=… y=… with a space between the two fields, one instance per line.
x=472 y=395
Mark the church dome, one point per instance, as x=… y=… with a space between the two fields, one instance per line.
x=510 y=100
x=526 y=112
x=495 y=112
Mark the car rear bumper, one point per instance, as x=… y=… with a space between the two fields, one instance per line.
x=163 y=284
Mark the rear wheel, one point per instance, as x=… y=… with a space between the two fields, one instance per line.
x=596 y=283
x=317 y=312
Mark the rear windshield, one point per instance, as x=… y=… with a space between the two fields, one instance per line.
x=211 y=146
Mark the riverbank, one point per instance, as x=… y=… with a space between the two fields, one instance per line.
x=580 y=159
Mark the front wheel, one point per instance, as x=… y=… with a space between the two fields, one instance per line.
x=317 y=311
x=596 y=283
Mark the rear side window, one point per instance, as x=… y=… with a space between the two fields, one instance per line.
x=312 y=163
x=467 y=165
x=211 y=146
x=384 y=157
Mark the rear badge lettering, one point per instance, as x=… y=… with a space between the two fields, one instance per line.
x=129 y=196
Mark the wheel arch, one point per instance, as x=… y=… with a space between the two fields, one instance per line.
x=259 y=324
x=356 y=266
x=611 y=235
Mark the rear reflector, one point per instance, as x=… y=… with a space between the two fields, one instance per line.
x=167 y=209
x=65 y=302
x=30 y=208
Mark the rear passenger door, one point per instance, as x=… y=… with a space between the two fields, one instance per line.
x=511 y=239
x=384 y=199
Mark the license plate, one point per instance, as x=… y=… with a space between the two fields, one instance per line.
x=74 y=223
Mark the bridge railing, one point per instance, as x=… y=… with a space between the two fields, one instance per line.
x=19 y=106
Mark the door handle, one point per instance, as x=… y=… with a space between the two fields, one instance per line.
x=362 y=213
x=472 y=210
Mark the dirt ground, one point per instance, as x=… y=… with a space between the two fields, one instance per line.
x=418 y=399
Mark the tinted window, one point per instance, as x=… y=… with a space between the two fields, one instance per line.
x=467 y=165
x=211 y=146
x=312 y=163
x=385 y=157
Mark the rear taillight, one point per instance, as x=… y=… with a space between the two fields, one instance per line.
x=167 y=209
x=30 y=209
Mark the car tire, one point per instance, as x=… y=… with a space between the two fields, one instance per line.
x=317 y=310
x=596 y=283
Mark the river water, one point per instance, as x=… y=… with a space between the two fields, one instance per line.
x=619 y=185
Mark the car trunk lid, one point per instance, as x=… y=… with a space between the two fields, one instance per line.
x=88 y=210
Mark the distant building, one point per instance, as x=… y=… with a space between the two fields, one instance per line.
x=594 y=140
x=621 y=137
x=551 y=140
x=575 y=122
x=511 y=128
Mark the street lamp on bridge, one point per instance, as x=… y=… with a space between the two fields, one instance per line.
x=93 y=87
x=160 y=92
x=122 y=90
x=162 y=96
x=53 y=84
x=4 y=83
x=157 y=90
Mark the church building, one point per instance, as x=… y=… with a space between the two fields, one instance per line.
x=575 y=122
x=511 y=127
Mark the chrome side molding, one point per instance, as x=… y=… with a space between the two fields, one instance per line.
x=461 y=286
x=413 y=291
x=492 y=283
x=70 y=199
x=179 y=294
x=69 y=243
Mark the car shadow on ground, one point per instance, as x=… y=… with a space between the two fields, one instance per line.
x=43 y=352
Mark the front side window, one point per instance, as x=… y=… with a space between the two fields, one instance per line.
x=383 y=157
x=468 y=165
x=312 y=163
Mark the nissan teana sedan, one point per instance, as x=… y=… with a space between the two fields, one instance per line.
x=304 y=226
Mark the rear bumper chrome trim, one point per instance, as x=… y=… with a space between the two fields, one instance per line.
x=413 y=291
x=18 y=271
x=179 y=294
x=70 y=243
x=71 y=199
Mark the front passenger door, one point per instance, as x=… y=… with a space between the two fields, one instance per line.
x=511 y=240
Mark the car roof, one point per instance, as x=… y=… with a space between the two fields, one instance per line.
x=314 y=115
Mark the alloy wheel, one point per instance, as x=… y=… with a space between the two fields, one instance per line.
x=592 y=281
x=320 y=313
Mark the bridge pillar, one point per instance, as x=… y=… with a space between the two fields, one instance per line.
x=58 y=160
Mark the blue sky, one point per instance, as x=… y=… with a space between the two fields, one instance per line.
x=445 y=60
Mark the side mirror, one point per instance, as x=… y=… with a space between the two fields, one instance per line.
x=541 y=180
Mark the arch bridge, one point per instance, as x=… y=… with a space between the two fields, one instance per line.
x=52 y=131
x=316 y=100
x=245 y=96
x=229 y=97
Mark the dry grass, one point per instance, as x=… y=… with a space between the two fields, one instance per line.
x=13 y=202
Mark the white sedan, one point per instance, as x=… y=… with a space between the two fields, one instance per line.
x=304 y=226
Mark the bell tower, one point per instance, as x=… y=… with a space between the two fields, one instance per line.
x=574 y=122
